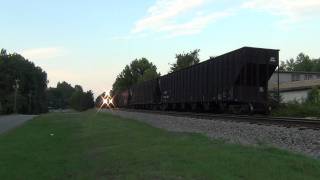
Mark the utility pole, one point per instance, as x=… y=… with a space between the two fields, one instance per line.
x=278 y=92
x=15 y=87
x=30 y=96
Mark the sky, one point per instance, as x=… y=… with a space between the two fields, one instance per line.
x=89 y=42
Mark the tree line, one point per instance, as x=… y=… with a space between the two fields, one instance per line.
x=301 y=63
x=22 y=85
x=23 y=88
x=64 y=96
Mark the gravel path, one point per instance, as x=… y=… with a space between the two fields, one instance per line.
x=11 y=121
x=305 y=141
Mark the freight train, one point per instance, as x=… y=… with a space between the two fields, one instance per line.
x=235 y=82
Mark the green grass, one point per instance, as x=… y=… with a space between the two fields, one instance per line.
x=298 y=110
x=100 y=146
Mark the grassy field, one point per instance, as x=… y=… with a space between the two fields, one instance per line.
x=100 y=146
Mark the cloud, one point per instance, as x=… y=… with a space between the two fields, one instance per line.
x=291 y=10
x=164 y=10
x=42 y=53
x=130 y=37
x=167 y=16
x=164 y=14
x=195 y=25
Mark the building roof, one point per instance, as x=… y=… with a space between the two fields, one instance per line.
x=297 y=72
x=295 y=85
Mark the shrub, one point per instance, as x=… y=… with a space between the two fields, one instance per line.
x=314 y=96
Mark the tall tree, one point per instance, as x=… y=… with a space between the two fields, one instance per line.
x=22 y=85
x=58 y=98
x=288 y=65
x=80 y=100
x=65 y=96
x=139 y=70
x=184 y=60
x=302 y=63
x=316 y=65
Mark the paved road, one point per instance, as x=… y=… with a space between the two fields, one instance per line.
x=11 y=121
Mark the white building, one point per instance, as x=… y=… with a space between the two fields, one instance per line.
x=294 y=85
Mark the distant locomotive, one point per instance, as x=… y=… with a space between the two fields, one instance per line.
x=235 y=82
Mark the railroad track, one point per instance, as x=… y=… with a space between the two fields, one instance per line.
x=289 y=122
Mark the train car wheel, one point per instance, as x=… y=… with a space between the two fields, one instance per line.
x=235 y=109
x=174 y=106
x=206 y=106
x=269 y=109
x=223 y=108
x=194 y=106
x=154 y=107
x=183 y=106
x=164 y=107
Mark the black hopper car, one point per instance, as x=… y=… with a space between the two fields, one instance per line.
x=235 y=82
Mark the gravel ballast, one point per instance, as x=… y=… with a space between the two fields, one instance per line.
x=305 y=141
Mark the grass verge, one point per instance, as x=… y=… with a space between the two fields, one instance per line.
x=298 y=110
x=100 y=146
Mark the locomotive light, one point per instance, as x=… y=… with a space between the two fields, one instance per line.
x=111 y=101
x=106 y=100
